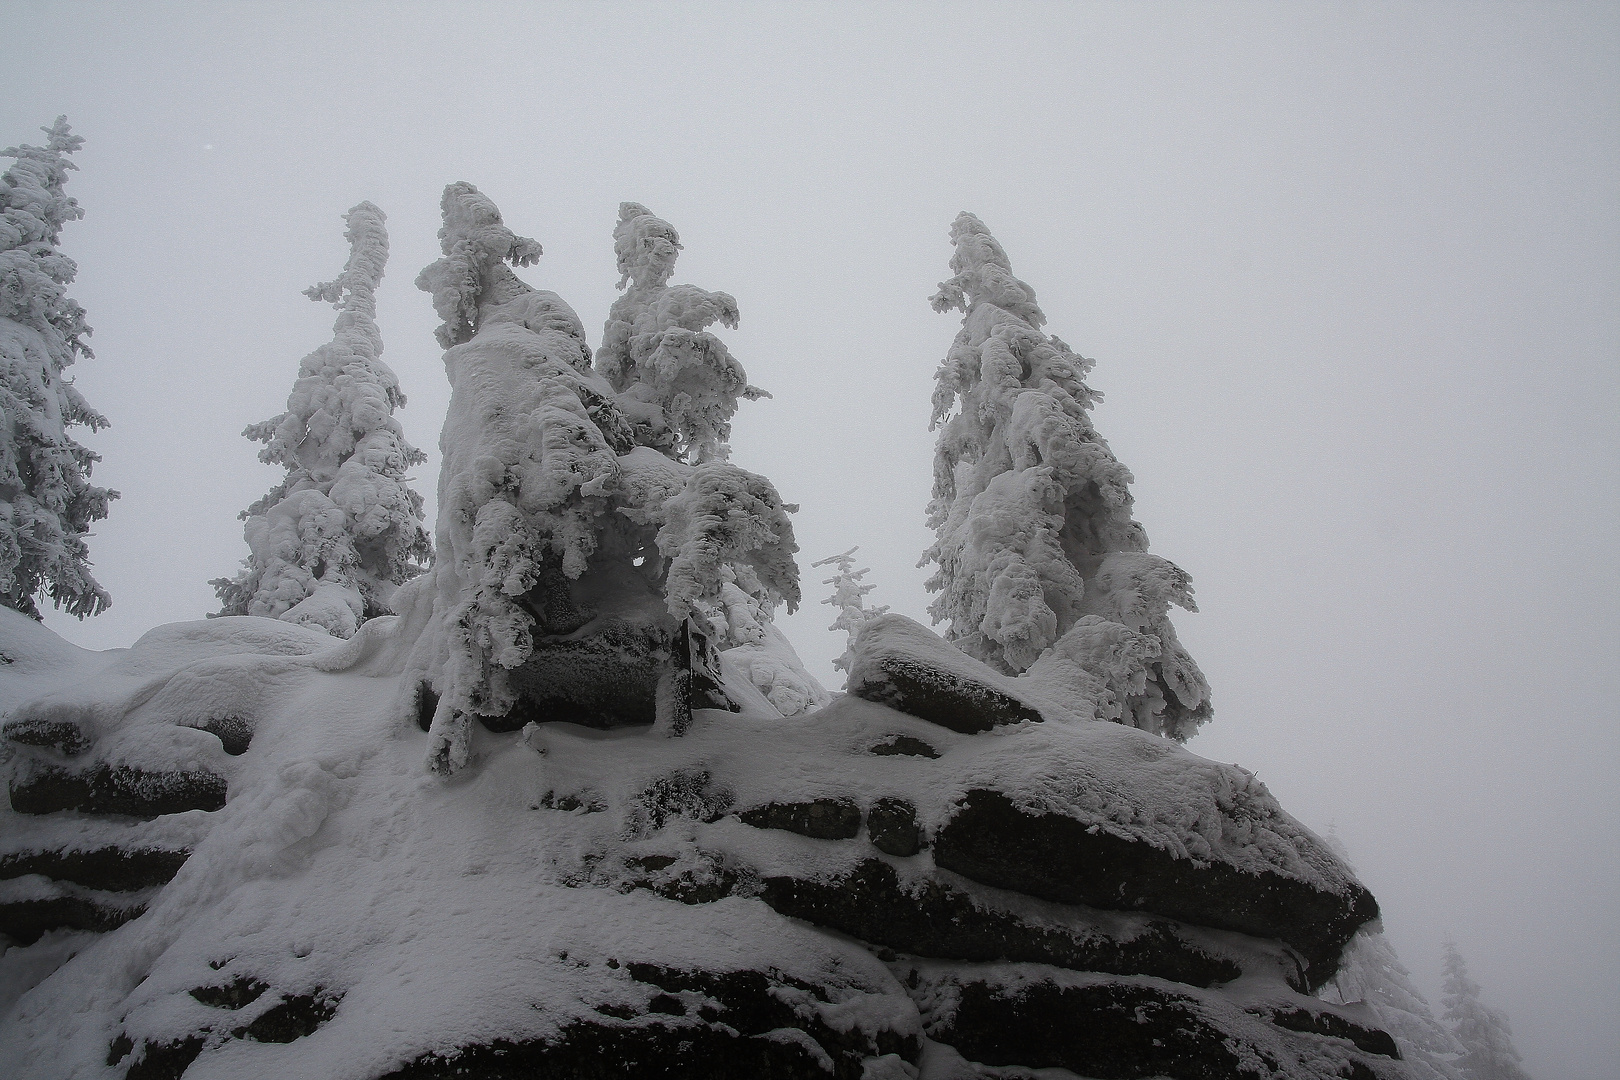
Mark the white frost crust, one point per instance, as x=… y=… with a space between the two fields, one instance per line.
x=1032 y=511
x=771 y=667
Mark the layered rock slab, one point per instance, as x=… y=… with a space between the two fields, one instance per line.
x=1128 y=1029
x=1058 y=857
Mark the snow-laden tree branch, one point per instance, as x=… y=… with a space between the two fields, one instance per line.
x=47 y=503
x=1039 y=560
x=333 y=540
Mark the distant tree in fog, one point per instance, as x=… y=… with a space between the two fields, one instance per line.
x=1486 y=1038
x=849 y=598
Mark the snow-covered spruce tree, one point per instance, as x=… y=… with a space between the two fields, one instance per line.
x=1038 y=556
x=343 y=530
x=1483 y=1032
x=849 y=597
x=571 y=539
x=47 y=503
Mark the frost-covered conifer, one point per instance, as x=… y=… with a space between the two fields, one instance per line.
x=849 y=597
x=678 y=383
x=1370 y=972
x=525 y=465
x=1036 y=546
x=564 y=508
x=679 y=386
x=47 y=502
x=1483 y=1032
x=331 y=543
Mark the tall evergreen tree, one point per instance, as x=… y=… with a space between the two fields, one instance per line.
x=47 y=503
x=1486 y=1038
x=343 y=529
x=1036 y=547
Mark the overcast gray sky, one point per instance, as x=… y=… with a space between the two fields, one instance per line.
x=1351 y=273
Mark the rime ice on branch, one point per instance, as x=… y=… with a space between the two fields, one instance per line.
x=1041 y=567
x=331 y=542
x=849 y=598
x=573 y=537
x=47 y=503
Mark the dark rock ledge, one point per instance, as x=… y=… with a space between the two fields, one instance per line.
x=1055 y=857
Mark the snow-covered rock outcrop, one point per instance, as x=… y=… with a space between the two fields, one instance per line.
x=231 y=851
x=856 y=892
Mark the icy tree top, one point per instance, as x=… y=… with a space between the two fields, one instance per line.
x=344 y=392
x=354 y=292
x=476 y=245
x=679 y=384
x=984 y=275
x=36 y=207
x=646 y=247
